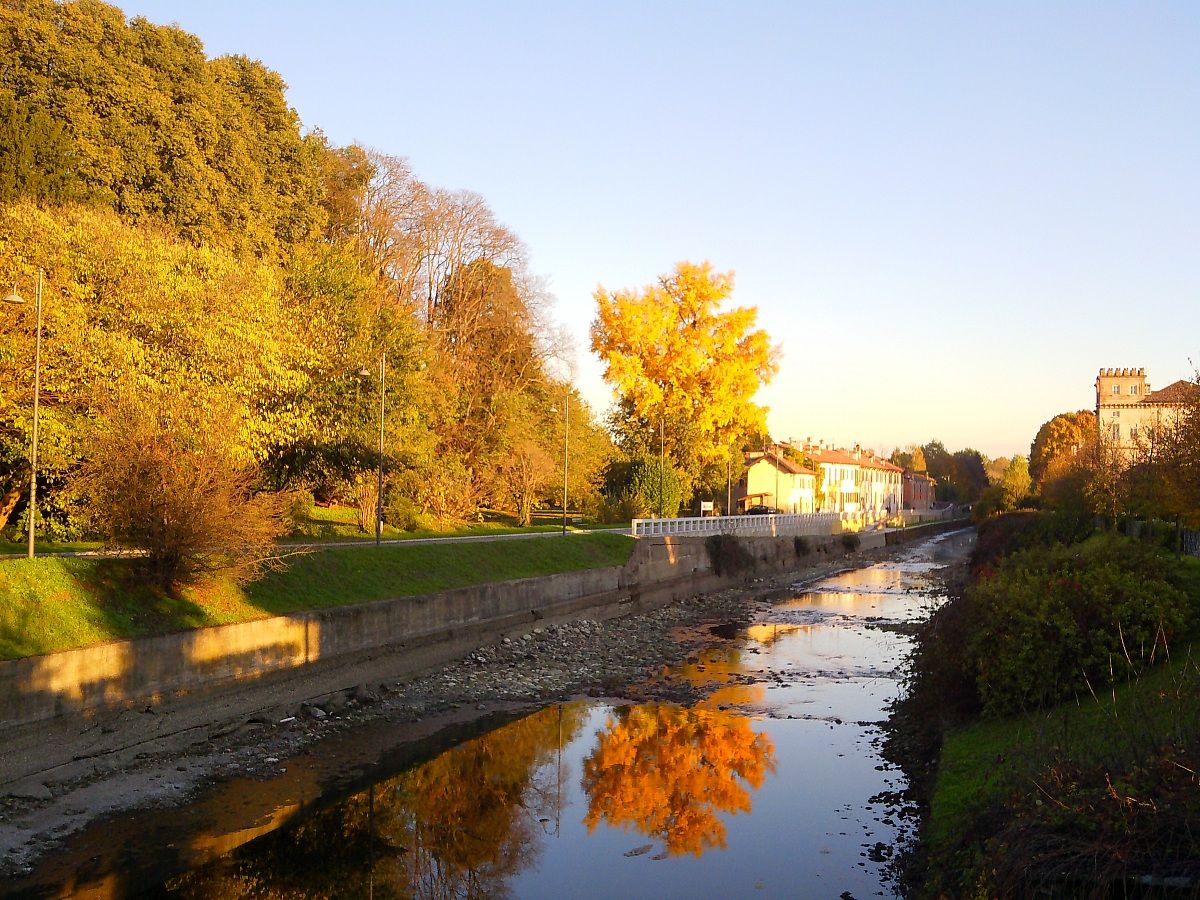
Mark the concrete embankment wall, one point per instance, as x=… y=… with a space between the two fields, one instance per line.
x=147 y=671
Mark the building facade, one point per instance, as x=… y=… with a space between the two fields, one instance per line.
x=1127 y=410
x=771 y=479
x=918 y=490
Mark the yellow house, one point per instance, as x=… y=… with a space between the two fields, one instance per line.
x=771 y=479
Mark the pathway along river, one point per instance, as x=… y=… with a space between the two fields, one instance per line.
x=770 y=787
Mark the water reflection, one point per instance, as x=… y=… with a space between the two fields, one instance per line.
x=576 y=800
x=460 y=825
x=667 y=772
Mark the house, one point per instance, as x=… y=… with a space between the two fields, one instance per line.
x=1127 y=409
x=918 y=490
x=853 y=481
x=880 y=483
x=770 y=478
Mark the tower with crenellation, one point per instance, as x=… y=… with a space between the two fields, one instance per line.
x=1127 y=410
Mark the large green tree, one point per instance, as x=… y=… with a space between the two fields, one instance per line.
x=157 y=130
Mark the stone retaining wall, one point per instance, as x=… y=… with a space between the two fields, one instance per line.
x=148 y=671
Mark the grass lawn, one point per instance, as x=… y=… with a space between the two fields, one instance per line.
x=51 y=604
x=981 y=762
x=340 y=523
x=20 y=548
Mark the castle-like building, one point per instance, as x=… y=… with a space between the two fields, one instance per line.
x=1127 y=409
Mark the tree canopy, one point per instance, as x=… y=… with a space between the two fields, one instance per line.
x=157 y=130
x=678 y=361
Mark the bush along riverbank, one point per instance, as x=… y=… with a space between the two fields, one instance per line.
x=1051 y=726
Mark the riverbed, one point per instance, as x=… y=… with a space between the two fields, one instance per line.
x=770 y=785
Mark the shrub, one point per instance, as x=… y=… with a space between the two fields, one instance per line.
x=851 y=541
x=1003 y=535
x=728 y=554
x=300 y=510
x=402 y=513
x=1058 y=622
x=801 y=545
x=162 y=477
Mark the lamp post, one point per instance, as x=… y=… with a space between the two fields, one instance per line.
x=566 y=450
x=379 y=482
x=662 y=462
x=17 y=300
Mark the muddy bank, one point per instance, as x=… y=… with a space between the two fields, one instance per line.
x=618 y=658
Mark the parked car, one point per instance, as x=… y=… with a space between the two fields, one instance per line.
x=763 y=511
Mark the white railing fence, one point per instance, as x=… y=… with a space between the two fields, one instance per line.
x=778 y=525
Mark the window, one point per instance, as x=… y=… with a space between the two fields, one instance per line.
x=1133 y=390
x=1115 y=431
x=1116 y=389
x=1116 y=414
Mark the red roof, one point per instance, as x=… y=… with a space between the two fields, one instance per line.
x=781 y=462
x=1178 y=393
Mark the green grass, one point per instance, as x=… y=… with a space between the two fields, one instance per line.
x=340 y=523
x=981 y=762
x=52 y=604
x=19 y=548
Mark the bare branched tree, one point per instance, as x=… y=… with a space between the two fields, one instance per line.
x=161 y=478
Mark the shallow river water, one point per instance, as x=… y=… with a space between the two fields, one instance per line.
x=771 y=787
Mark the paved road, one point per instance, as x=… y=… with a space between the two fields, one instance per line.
x=361 y=542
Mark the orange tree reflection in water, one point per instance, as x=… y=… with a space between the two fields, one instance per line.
x=459 y=825
x=667 y=772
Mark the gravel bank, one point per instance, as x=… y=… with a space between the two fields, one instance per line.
x=617 y=659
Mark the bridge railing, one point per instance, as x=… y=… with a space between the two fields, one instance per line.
x=777 y=525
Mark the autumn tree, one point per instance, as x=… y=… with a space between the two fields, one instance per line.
x=1015 y=482
x=162 y=475
x=157 y=130
x=1058 y=439
x=912 y=458
x=668 y=772
x=676 y=359
x=124 y=300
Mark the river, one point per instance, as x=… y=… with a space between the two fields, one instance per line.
x=772 y=786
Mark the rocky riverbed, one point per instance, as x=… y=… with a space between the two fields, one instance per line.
x=619 y=658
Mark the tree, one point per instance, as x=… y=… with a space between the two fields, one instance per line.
x=1016 y=482
x=675 y=358
x=911 y=458
x=157 y=131
x=970 y=476
x=1062 y=436
x=164 y=477
x=136 y=302
x=669 y=773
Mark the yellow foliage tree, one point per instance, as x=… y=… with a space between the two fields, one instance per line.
x=667 y=772
x=674 y=357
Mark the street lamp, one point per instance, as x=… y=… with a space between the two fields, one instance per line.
x=379 y=481
x=662 y=462
x=566 y=450
x=17 y=300
x=363 y=373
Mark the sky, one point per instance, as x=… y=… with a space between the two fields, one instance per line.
x=950 y=216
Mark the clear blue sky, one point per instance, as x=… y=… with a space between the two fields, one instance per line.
x=950 y=216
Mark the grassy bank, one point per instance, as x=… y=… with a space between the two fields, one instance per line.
x=52 y=604
x=1056 y=696
x=1084 y=794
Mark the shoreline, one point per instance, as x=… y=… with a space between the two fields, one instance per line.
x=613 y=660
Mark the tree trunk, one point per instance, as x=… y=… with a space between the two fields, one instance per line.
x=9 y=502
